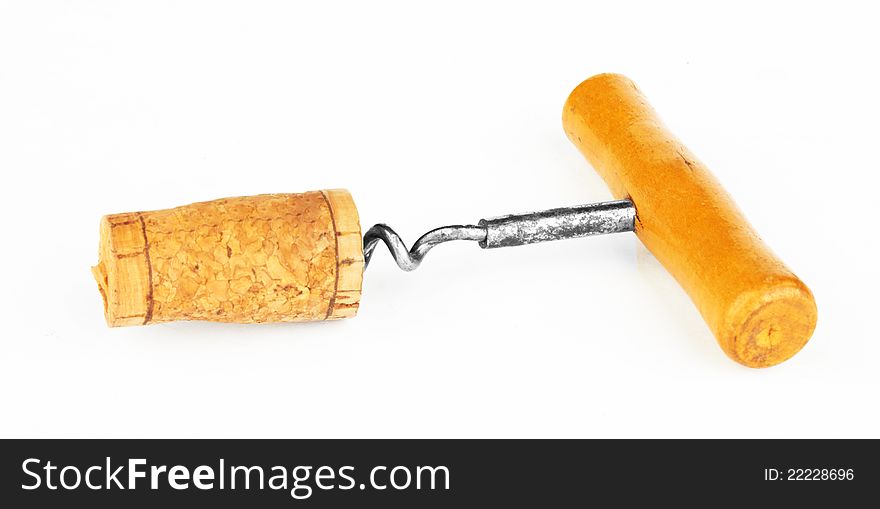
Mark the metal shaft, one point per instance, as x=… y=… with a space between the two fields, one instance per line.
x=511 y=230
x=559 y=224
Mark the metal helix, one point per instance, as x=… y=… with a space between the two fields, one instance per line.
x=409 y=259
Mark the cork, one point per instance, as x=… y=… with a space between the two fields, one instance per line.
x=760 y=312
x=254 y=259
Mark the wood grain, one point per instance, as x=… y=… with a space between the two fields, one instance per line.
x=759 y=311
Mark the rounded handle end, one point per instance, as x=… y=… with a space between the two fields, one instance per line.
x=767 y=325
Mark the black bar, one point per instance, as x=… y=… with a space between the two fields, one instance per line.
x=520 y=472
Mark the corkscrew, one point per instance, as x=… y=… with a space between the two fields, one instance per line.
x=510 y=230
x=300 y=257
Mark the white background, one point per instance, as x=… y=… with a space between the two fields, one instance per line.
x=432 y=113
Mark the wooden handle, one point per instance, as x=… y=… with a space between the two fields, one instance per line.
x=267 y=258
x=759 y=311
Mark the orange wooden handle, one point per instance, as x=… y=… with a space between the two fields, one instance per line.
x=759 y=311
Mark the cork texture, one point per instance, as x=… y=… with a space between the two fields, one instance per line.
x=759 y=311
x=267 y=258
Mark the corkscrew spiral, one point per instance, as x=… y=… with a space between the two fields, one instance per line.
x=409 y=259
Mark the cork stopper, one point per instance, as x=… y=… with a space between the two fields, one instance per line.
x=266 y=258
